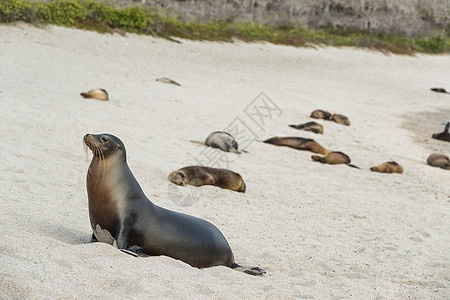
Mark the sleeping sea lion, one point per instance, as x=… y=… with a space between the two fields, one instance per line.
x=310 y=126
x=99 y=94
x=388 y=167
x=200 y=175
x=298 y=143
x=320 y=114
x=439 y=160
x=334 y=158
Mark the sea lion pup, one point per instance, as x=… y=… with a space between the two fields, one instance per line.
x=443 y=136
x=334 y=158
x=439 y=90
x=222 y=140
x=200 y=175
x=298 y=143
x=118 y=206
x=320 y=114
x=439 y=160
x=388 y=167
x=168 y=80
x=310 y=126
x=99 y=94
x=340 y=119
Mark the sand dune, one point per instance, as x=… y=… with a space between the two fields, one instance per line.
x=320 y=231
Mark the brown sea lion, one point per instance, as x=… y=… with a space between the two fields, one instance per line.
x=298 y=143
x=443 y=136
x=121 y=215
x=439 y=160
x=340 y=119
x=388 y=167
x=310 y=126
x=99 y=94
x=200 y=175
x=320 y=114
x=334 y=158
x=168 y=80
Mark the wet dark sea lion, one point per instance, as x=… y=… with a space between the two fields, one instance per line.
x=119 y=207
x=320 y=114
x=388 y=167
x=298 y=143
x=443 y=136
x=222 y=140
x=340 y=119
x=200 y=175
x=310 y=126
x=439 y=160
x=439 y=90
x=99 y=94
x=334 y=158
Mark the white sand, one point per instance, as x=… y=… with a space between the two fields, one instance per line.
x=320 y=231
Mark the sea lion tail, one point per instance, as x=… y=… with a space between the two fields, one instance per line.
x=256 y=271
x=353 y=166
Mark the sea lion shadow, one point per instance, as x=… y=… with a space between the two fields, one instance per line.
x=67 y=234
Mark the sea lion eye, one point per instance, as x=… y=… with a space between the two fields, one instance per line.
x=104 y=139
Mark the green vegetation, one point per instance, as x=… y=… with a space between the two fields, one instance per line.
x=150 y=20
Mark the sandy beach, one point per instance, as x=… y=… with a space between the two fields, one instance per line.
x=320 y=231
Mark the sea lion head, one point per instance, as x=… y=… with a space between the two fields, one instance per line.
x=105 y=145
x=177 y=177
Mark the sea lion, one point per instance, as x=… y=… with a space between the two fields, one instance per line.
x=118 y=205
x=298 y=143
x=439 y=90
x=439 y=160
x=334 y=158
x=310 y=126
x=200 y=175
x=168 y=80
x=388 y=167
x=443 y=136
x=99 y=94
x=222 y=140
x=340 y=119
x=320 y=114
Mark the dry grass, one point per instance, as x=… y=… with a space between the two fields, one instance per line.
x=409 y=17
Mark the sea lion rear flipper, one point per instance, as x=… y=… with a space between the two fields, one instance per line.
x=353 y=166
x=255 y=271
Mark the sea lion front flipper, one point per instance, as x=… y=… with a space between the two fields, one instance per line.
x=135 y=251
x=255 y=271
x=104 y=236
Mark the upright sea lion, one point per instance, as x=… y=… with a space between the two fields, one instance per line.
x=298 y=143
x=388 y=167
x=99 y=94
x=118 y=205
x=443 y=136
x=320 y=114
x=168 y=80
x=222 y=140
x=439 y=160
x=340 y=119
x=200 y=175
x=334 y=158
x=310 y=126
